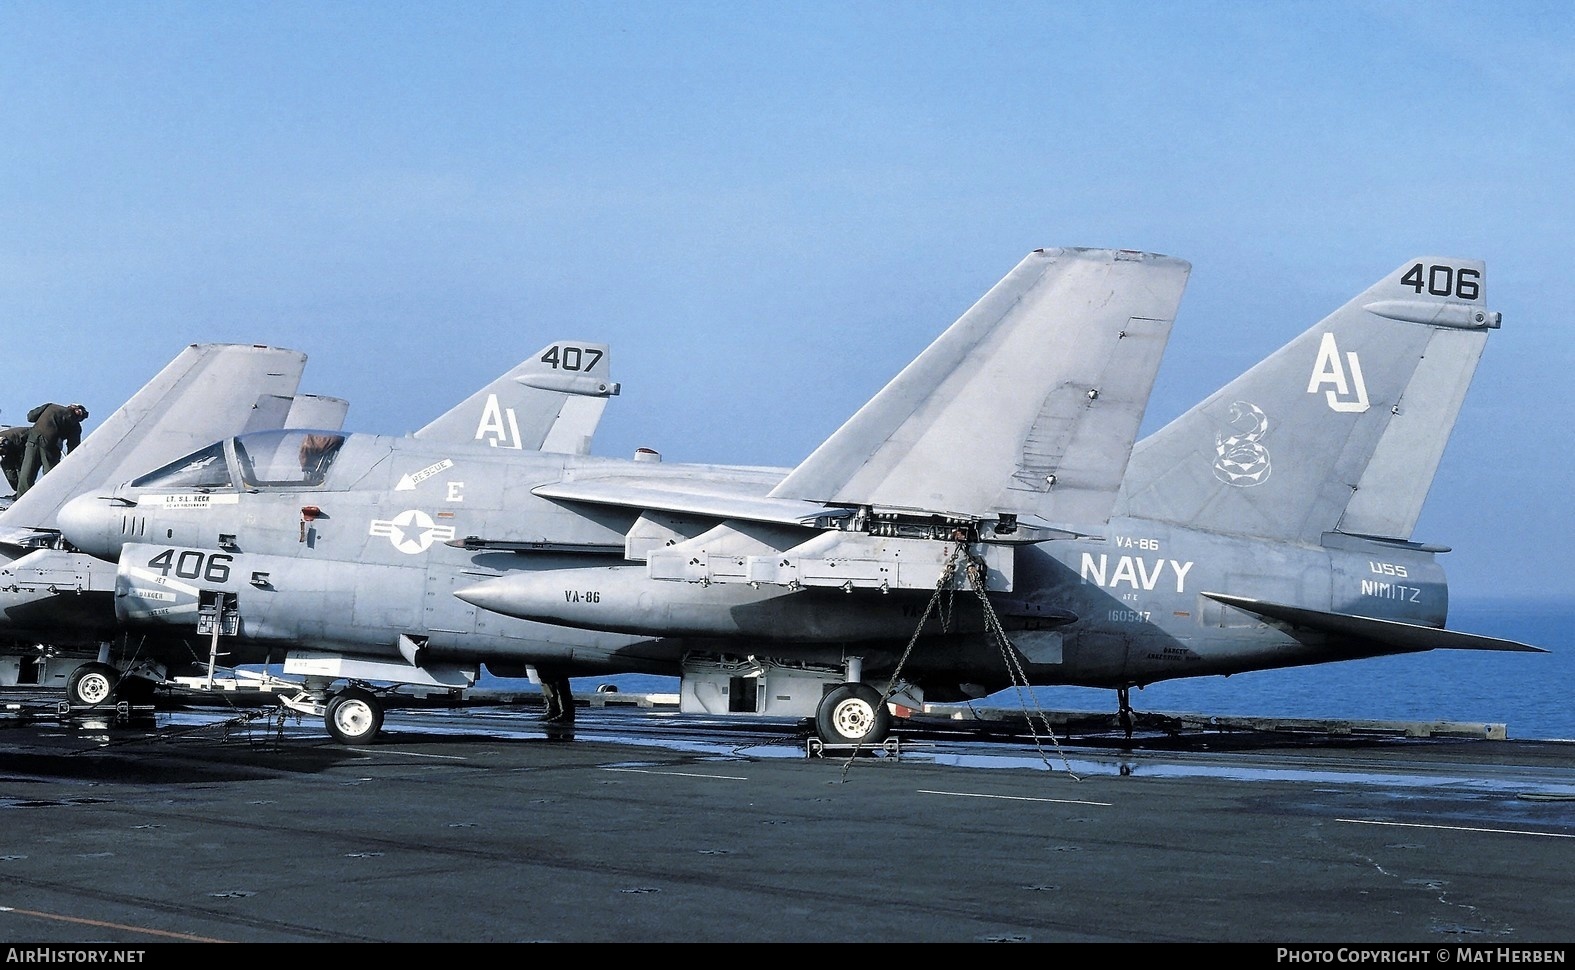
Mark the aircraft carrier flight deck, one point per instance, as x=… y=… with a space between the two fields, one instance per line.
x=638 y=824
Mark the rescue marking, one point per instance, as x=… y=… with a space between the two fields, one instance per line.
x=408 y=482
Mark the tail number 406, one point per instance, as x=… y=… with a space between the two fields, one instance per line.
x=1442 y=280
x=193 y=564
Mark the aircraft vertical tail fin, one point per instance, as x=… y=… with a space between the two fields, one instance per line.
x=1027 y=405
x=208 y=392
x=270 y=413
x=552 y=401
x=1340 y=430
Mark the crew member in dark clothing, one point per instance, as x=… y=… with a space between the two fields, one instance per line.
x=558 y=699
x=13 y=441
x=58 y=426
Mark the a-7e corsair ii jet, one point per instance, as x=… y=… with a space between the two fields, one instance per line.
x=1267 y=527
x=57 y=604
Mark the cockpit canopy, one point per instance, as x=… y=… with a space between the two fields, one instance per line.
x=289 y=458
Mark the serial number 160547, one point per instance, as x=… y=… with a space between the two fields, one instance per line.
x=1129 y=616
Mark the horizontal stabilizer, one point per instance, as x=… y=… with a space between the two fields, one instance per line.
x=1392 y=634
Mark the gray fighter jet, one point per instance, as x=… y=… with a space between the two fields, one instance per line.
x=52 y=593
x=1269 y=526
x=54 y=601
x=976 y=525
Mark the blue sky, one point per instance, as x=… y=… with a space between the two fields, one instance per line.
x=768 y=209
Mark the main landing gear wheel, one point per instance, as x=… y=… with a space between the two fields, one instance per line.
x=853 y=714
x=92 y=684
x=354 y=716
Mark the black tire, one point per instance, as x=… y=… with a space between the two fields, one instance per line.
x=354 y=716
x=92 y=684
x=853 y=714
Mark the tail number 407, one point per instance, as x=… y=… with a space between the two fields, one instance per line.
x=571 y=358
x=193 y=564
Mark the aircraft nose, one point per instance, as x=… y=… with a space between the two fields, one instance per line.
x=86 y=523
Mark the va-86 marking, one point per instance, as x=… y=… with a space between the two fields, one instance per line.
x=1131 y=542
x=575 y=596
